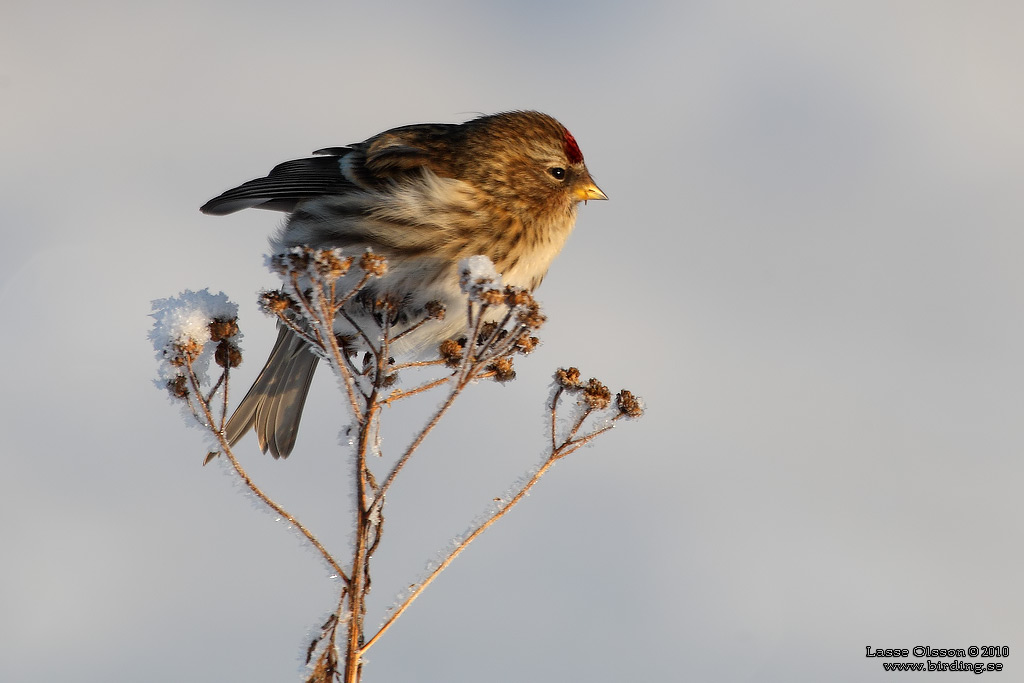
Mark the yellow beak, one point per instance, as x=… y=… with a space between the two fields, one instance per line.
x=590 y=190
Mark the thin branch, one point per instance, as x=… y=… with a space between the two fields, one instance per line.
x=554 y=418
x=325 y=319
x=358 y=328
x=398 y=394
x=224 y=407
x=219 y=434
x=212 y=392
x=360 y=577
x=458 y=551
x=352 y=292
x=412 y=328
x=418 y=364
x=579 y=423
x=568 y=447
x=281 y=511
x=468 y=358
x=312 y=314
x=418 y=440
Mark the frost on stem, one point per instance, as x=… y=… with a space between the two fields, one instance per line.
x=331 y=301
x=593 y=407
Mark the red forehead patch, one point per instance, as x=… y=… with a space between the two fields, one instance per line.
x=572 y=150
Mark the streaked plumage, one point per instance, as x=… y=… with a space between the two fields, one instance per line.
x=424 y=196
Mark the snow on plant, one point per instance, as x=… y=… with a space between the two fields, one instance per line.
x=320 y=287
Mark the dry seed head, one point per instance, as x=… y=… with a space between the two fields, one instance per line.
x=492 y=297
x=503 y=370
x=568 y=378
x=525 y=344
x=275 y=301
x=373 y=264
x=530 y=315
x=278 y=263
x=330 y=264
x=435 y=309
x=296 y=260
x=486 y=330
x=227 y=355
x=451 y=352
x=178 y=386
x=185 y=351
x=223 y=328
x=628 y=404
x=518 y=297
x=596 y=395
x=386 y=305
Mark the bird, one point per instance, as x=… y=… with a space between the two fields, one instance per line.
x=425 y=196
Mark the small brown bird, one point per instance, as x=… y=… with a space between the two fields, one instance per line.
x=425 y=196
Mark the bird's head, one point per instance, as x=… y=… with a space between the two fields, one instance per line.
x=526 y=161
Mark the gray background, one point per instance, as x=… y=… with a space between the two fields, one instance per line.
x=809 y=267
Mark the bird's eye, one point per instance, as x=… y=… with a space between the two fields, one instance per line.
x=558 y=173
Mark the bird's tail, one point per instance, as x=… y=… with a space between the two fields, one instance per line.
x=273 y=406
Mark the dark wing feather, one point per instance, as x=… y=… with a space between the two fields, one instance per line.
x=333 y=151
x=372 y=164
x=402 y=151
x=286 y=185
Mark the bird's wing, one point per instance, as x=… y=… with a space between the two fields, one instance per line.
x=288 y=184
x=370 y=165
x=405 y=150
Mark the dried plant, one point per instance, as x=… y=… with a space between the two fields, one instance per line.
x=191 y=328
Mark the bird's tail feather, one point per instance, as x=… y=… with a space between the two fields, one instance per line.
x=274 y=404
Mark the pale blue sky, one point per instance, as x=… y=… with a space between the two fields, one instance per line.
x=810 y=267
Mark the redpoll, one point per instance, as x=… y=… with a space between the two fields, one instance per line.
x=424 y=196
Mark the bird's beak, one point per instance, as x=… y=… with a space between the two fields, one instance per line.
x=589 y=190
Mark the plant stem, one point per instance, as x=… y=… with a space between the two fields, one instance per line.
x=244 y=476
x=460 y=547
